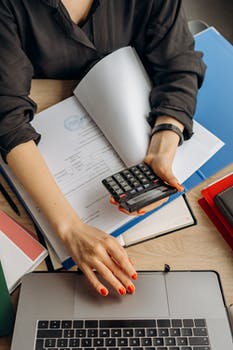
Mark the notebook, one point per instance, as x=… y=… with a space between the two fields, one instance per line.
x=170 y=310
x=20 y=253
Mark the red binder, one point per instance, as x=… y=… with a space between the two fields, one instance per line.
x=207 y=204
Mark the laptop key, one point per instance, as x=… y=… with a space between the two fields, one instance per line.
x=98 y=342
x=170 y=341
x=140 y=332
x=175 y=332
x=104 y=333
x=86 y=342
x=151 y=332
x=200 y=322
x=68 y=333
x=198 y=341
x=62 y=343
x=50 y=343
x=146 y=341
x=188 y=323
x=74 y=343
x=182 y=341
x=176 y=323
x=39 y=344
x=158 y=341
x=49 y=333
x=127 y=323
x=91 y=324
x=134 y=342
x=164 y=323
x=80 y=333
x=66 y=324
x=200 y=331
x=78 y=324
x=163 y=332
x=186 y=332
x=109 y=342
x=43 y=324
x=55 y=324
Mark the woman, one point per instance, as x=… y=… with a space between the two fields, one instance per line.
x=62 y=39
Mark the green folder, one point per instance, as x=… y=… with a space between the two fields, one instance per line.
x=6 y=309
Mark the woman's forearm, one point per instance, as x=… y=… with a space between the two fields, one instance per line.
x=90 y=248
x=28 y=165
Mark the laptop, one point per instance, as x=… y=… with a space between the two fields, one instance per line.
x=177 y=310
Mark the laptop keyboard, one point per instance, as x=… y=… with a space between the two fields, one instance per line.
x=147 y=334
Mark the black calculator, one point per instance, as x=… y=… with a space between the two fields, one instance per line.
x=136 y=187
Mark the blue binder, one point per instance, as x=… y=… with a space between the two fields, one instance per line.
x=214 y=107
x=215 y=100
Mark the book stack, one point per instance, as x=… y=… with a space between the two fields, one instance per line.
x=212 y=207
x=20 y=253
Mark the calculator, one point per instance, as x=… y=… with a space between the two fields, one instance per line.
x=136 y=187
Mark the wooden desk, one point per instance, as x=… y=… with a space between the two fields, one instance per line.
x=199 y=247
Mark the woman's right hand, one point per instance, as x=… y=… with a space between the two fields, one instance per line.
x=90 y=248
x=93 y=249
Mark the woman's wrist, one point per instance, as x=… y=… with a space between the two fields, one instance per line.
x=166 y=139
x=66 y=225
x=169 y=120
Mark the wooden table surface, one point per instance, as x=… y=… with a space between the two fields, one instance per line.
x=199 y=247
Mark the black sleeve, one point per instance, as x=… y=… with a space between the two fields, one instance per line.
x=176 y=69
x=16 y=108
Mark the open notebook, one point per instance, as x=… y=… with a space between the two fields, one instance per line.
x=99 y=131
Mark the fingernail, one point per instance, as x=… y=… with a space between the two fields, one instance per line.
x=122 y=291
x=104 y=291
x=141 y=212
x=122 y=210
x=131 y=288
x=112 y=200
x=180 y=187
x=134 y=276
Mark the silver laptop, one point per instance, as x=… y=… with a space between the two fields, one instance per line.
x=180 y=310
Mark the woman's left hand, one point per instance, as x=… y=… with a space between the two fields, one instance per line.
x=160 y=156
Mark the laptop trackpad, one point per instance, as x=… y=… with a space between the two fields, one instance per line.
x=150 y=300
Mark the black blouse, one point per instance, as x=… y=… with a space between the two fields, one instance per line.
x=38 y=39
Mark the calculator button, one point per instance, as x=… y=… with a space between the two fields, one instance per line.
x=139 y=189
x=146 y=185
x=133 y=191
x=119 y=192
x=108 y=179
x=156 y=181
x=118 y=177
x=127 y=188
x=135 y=184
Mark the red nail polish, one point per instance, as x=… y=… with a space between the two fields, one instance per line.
x=131 y=288
x=122 y=291
x=141 y=212
x=104 y=291
x=134 y=276
x=180 y=187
